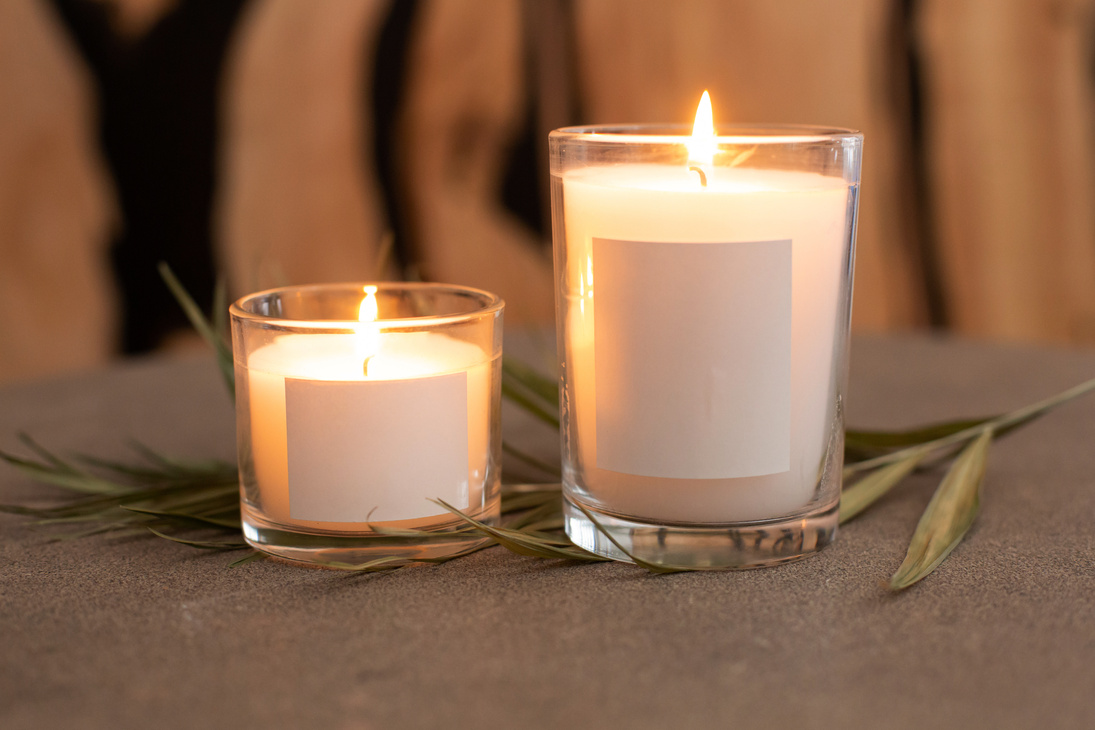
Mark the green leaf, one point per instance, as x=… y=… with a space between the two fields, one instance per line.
x=949 y=515
x=524 y=544
x=203 y=326
x=388 y=562
x=203 y=544
x=553 y=469
x=229 y=524
x=652 y=567
x=1000 y=426
x=881 y=440
x=67 y=477
x=530 y=404
x=861 y=495
x=249 y=558
x=539 y=385
x=220 y=311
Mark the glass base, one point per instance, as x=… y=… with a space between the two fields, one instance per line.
x=735 y=546
x=342 y=550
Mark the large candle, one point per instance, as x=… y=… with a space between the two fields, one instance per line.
x=793 y=219
x=703 y=291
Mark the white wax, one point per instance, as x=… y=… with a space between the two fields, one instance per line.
x=402 y=357
x=651 y=203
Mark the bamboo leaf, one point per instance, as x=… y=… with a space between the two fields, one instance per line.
x=861 y=495
x=546 y=511
x=523 y=544
x=48 y=457
x=203 y=326
x=884 y=440
x=220 y=310
x=524 y=376
x=552 y=469
x=530 y=404
x=189 y=466
x=249 y=558
x=67 y=478
x=652 y=567
x=203 y=544
x=423 y=535
x=228 y=524
x=388 y=562
x=949 y=515
x=1000 y=425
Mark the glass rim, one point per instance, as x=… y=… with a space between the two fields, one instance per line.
x=487 y=303
x=724 y=133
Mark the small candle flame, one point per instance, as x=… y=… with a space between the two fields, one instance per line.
x=368 y=310
x=703 y=144
x=368 y=340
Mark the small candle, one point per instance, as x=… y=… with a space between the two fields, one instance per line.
x=393 y=481
x=349 y=429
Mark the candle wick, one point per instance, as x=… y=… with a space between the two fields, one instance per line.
x=365 y=365
x=703 y=177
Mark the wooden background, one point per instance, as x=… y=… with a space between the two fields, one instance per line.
x=977 y=212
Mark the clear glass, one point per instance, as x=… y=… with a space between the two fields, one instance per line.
x=702 y=419
x=348 y=429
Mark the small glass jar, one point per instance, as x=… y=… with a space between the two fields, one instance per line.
x=703 y=317
x=359 y=409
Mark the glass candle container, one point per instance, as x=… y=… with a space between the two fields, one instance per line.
x=358 y=408
x=703 y=305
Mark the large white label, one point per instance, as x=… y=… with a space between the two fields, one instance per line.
x=693 y=358
x=376 y=450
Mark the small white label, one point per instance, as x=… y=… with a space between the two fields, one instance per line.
x=693 y=358
x=375 y=451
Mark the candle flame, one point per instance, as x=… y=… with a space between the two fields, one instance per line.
x=703 y=143
x=368 y=340
x=368 y=310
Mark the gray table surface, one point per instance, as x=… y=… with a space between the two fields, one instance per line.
x=144 y=633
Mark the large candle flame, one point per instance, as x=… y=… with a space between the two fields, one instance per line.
x=703 y=143
x=368 y=340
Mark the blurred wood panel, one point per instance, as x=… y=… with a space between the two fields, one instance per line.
x=299 y=201
x=464 y=103
x=782 y=61
x=1008 y=116
x=56 y=204
x=1009 y=121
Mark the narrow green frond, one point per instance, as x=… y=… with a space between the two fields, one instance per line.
x=858 y=497
x=949 y=515
x=203 y=326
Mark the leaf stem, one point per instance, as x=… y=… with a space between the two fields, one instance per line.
x=998 y=425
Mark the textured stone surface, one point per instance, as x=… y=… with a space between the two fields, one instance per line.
x=106 y=633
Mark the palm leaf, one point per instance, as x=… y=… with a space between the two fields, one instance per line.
x=949 y=515
x=865 y=492
x=204 y=328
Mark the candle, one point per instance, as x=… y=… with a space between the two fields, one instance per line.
x=350 y=429
x=430 y=441
x=703 y=287
x=804 y=215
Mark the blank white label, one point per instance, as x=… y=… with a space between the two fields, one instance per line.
x=373 y=451
x=693 y=358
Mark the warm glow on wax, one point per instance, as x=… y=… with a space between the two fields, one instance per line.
x=703 y=144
